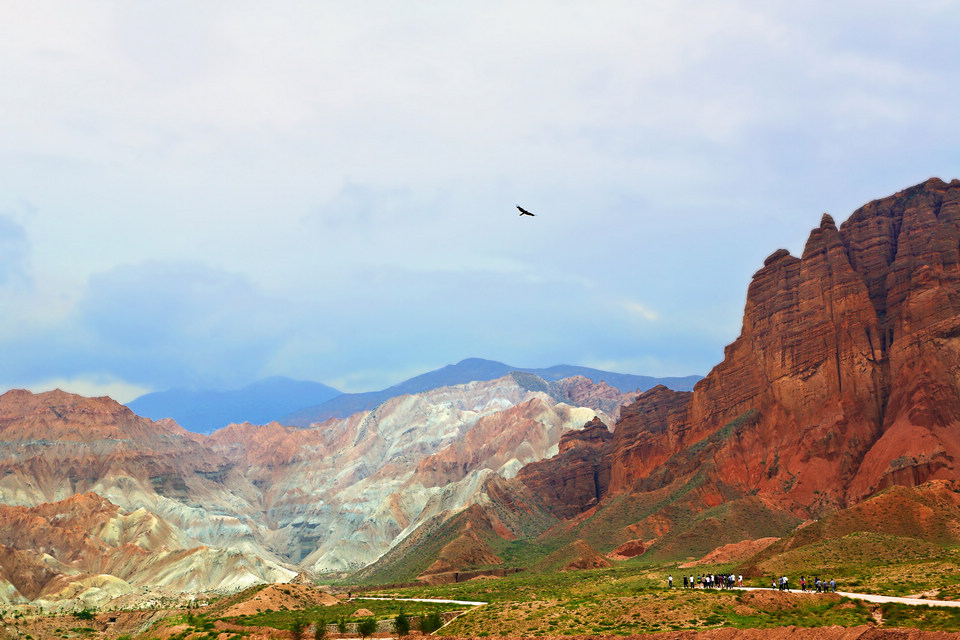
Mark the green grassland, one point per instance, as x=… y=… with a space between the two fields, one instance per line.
x=902 y=542
x=381 y=610
x=632 y=597
x=629 y=600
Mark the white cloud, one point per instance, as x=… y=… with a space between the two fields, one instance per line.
x=292 y=170
x=640 y=310
x=92 y=386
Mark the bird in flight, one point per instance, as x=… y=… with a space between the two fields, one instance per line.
x=523 y=211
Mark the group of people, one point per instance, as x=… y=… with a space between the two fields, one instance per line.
x=822 y=586
x=720 y=581
x=710 y=581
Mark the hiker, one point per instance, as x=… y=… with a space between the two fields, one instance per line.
x=803 y=583
x=670 y=582
x=740 y=580
x=833 y=585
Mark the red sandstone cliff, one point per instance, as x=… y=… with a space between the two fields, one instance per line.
x=579 y=476
x=845 y=378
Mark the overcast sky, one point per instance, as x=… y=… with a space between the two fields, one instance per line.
x=202 y=194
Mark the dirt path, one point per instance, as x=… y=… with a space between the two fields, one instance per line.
x=463 y=602
x=870 y=597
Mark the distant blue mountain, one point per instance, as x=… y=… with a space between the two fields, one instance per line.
x=470 y=370
x=259 y=403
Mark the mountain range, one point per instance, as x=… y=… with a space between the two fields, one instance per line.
x=839 y=402
x=204 y=411
x=301 y=403
x=275 y=499
x=471 y=370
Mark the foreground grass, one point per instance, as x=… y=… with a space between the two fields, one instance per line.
x=632 y=598
x=658 y=611
x=381 y=610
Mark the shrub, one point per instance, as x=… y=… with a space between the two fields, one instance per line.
x=297 y=628
x=401 y=624
x=320 y=629
x=430 y=623
x=341 y=624
x=367 y=627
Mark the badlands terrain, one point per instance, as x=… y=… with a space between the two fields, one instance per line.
x=825 y=443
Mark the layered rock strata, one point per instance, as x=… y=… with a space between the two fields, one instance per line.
x=845 y=377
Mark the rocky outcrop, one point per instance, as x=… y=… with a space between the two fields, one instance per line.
x=649 y=431
x=86 y=549
x=332 y=497
x=627 y=550
x=844 y=380
x=503 y=441
x=847 y=360
x=578 y=476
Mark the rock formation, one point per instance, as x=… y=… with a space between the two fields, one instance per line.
x=86 y=548
x=578 y=476
x=332 y=497
x=845 y=379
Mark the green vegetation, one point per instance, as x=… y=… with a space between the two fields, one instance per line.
x=298 y=627
x=367 y=627
x=922 y=617
x=430 y=623
x=401 y=624
x=632 y=598
x=320 y=628
x=344 y=612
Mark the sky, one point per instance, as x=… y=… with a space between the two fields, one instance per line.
x=201 y=195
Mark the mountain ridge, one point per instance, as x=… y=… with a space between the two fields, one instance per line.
x=842 y=382
x=300 y=403
x=204 y=411
x=473 y=370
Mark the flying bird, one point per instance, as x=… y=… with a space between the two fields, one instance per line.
x=523 y=211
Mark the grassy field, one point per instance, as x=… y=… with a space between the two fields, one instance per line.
x=625 y=601
x=381 y=610
x=632 y=597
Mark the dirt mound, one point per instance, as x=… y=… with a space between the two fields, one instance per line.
x=362 y=613
x=280 y=597
x=733 y=552
x=586 y=557
x=629 y=549
x=468 y=550
x=764 y=600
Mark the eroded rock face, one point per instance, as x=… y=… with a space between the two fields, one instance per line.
x=331 y=497
x=578 y=476
x=845 y=378
x=847 y=364
x=86 y=548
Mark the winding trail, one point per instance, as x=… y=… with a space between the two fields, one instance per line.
x=870 y=597
x=438 y=600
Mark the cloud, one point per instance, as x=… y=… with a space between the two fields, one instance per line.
x=92 y=386
x=640 y=310
x=170 y=324
x=327 y=191
x=14 y=253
